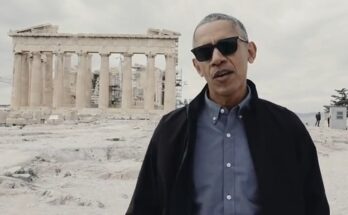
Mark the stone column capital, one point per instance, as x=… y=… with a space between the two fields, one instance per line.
x=150 y=55
x=104 y=54
x=43 y=58
x=23 y=53
x=34 y=53
x=127 y=54
x=170 y=55
x=58 y=53
x=18 y=53
x=82 y=53
x=47 y=53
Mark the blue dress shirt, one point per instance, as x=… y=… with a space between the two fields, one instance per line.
x=224 y=176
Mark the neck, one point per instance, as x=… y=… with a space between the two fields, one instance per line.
x=229 y=101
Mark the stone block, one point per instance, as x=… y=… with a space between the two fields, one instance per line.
x=55 y=119
x=16 y=121
x=70 y=115
x=3 y=116
x=27 y=115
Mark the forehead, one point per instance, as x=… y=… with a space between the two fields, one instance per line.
x=214 y=31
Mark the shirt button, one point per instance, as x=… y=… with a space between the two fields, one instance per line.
x=228 y=197
x=222 y=111
x=228 y=135
x=240 y=116
x=228 y=164
x=214 y=118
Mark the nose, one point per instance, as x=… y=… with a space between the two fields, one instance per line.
x=217 y=58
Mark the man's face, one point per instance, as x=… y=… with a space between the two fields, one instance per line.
x=225 y=75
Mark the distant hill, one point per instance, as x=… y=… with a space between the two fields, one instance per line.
x=309 y=118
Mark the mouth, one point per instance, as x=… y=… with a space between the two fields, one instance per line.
x=222 y=73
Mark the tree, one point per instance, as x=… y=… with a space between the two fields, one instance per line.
x=326 y=108
x=339 y=100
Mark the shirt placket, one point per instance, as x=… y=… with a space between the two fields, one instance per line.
x=229 y=163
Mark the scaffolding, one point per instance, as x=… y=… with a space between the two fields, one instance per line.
x=178 y=87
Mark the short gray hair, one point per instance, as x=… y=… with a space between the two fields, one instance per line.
x=220 y=16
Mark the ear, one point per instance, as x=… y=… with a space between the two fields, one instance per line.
x=252 y=49
x=197 y=66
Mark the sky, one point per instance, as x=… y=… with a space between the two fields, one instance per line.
x=301 y=44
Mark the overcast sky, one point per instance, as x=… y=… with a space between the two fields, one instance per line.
x=302 y=44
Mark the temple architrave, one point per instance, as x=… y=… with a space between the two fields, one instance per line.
x=43 y=78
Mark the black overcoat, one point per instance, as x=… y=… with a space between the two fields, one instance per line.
x=283 y=153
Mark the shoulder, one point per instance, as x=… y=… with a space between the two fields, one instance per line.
x=273 y=108
x=272 y=112
x=172 y=120
x=174 y=117
x=281 y=124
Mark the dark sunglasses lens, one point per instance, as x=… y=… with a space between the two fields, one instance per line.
x=203 y=53
x=227 y=47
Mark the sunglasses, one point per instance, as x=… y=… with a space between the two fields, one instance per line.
x=225 y=46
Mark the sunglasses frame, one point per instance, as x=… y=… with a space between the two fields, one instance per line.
x=217 y=45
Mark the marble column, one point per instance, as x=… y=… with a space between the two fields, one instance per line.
x=58 y=89
x=89 y=77
x=30 y=65
x=150 y=86
x=25 y=80
x=81 y=81
x=47 y=72
x=170 y=79
x=159 y=74
x=36 y=81
x=104 y=81
x=16 y=83
x=67 y=100
x=127 y=97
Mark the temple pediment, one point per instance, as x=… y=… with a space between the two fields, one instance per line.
x=163 y=32
x=44 y=28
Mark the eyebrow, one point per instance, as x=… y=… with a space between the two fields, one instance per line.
x=215 y=42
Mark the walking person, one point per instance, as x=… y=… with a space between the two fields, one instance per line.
x=318 y=118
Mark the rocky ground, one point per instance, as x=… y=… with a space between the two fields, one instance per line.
x=91 y=168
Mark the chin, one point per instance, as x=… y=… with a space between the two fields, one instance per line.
x=225 y=91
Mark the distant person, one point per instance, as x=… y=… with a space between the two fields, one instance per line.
x=328 y=120
x=318 y=118
x=229 y=151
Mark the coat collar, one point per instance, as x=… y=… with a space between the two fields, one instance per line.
x=195 y=105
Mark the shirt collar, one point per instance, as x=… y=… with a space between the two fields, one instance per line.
x=246 y=101
x=215 y=110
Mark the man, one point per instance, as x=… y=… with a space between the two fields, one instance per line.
x=318 y=118
x=228 y=151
